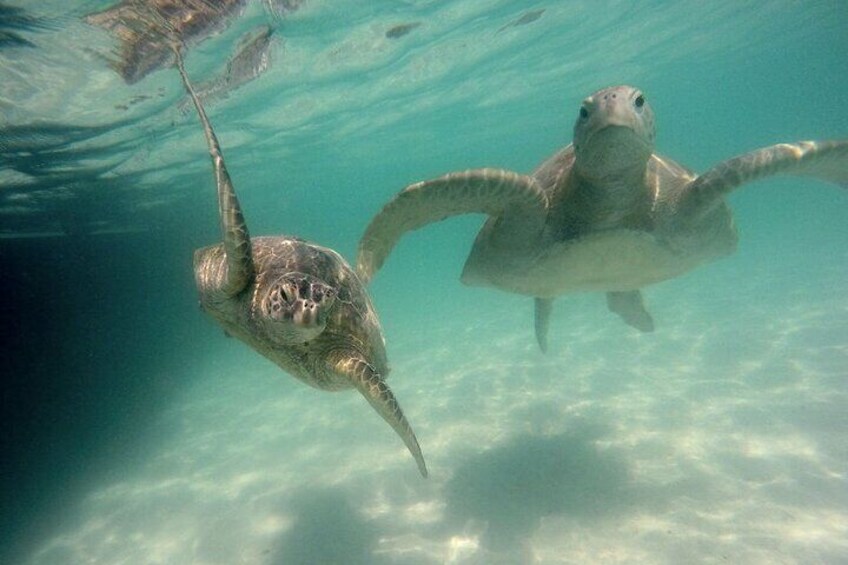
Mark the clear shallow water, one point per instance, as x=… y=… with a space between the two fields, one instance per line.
x=137 y=433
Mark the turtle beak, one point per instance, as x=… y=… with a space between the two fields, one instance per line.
x=305 y=313
x=616 y=118
x=613 y=111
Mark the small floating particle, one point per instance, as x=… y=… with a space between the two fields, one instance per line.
x=138 y=98
x=401 y=29
x=526 y=18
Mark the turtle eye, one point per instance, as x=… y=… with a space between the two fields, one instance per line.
x=584 y=113
x=284 y=294
x=640 y=101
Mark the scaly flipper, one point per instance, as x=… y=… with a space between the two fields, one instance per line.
x=825 y=160
x=375 y=390
x=237 y=245
x=631 y=308
x=489 y=191
x=542 y=320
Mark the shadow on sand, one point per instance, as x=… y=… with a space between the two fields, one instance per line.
x=327 y=530
x=509 y=489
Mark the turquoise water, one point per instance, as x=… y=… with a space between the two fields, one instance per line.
x=135 y=432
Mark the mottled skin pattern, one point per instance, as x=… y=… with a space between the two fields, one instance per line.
x=297 y=303
x=344 y=318
x=603 y=214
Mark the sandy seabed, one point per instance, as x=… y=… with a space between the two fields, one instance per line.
x=719 y=438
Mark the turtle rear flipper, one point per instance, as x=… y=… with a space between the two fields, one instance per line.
x=542 y=320
x=631 y=308
x=495 y=192
x=370 y=383
x=825 y=160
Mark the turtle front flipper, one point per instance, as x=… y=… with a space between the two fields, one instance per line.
x=370 y=383
x=631 y=308
x=495 y=192
x=825 y=160
x=237 y=247
x=542 y=320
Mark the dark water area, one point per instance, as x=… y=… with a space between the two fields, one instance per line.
x=97 y=338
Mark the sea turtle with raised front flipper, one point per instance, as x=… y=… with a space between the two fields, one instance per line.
x=297 y=303
x=605 y=213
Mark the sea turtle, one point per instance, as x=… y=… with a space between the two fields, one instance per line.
x=605 y=213
x=298 y=304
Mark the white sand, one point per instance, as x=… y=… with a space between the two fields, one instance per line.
x=721 y=438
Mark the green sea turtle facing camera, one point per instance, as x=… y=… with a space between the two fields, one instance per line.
x=604 y=214
x=296 y=303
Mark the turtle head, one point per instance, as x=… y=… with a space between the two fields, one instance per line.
x=614 y=133
x=294 y=307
